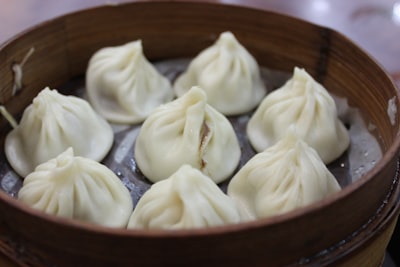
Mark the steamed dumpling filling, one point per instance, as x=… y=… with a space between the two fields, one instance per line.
x=78 y=188
x=50 y=125
x=306 y=105
x=123 y=86
x=228 y=74
x=285 y=176
x=187 y=131
x=187 y=199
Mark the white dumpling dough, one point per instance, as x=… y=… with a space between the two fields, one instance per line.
x=51 y=124
x=228 y=73
x=307 y=105
x=285 y=176
x=78 y=188
x=123 y=86
x=187 y=131
x=187 y=199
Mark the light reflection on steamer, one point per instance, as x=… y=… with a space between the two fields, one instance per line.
x=125 y=145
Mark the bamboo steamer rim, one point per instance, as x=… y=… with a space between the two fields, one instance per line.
x=388 y=156
x=70 y=223
x=352 y=249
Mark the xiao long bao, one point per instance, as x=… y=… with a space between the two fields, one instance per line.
x=78 y=188
x=229 y=75
x=186 y=199
x=305 y=104
x=123 y=86
x=285 y=176
x=51 y=124
x=185 y=146
x=187 y=131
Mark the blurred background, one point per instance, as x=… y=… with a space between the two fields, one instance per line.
x=372 y=24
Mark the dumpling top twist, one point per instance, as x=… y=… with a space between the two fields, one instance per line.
x=307 y=106
x=187 y=199
x=187 y=131
x=78 y=188
x=229 y=75
x=123 y=86
x=50 y=125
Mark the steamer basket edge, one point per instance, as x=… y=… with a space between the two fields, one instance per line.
x=65 y=35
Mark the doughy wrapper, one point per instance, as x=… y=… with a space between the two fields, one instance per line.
x=50 y=125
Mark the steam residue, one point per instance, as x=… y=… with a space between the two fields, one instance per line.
x=364 y=150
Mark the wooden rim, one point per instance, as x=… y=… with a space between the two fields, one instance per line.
x=391 y=153
x=384 y=168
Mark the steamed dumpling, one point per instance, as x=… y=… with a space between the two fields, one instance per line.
x=78 y=188
x=228 y=73
x=187 y=131
x=123 y=86
x=187 y=199
x=307 y=105
x=285 y=176
x=51 y=124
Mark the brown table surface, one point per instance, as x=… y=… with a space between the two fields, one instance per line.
x=372 y=24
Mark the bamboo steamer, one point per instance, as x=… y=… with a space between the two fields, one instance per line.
x=350 y=228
